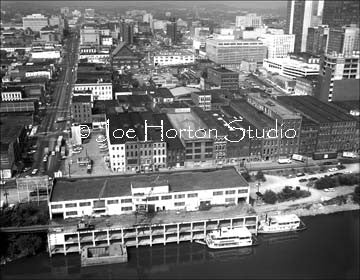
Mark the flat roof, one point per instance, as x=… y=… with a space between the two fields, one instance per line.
x=9 y=131
x=90 y=188
x=221 y=69
x=81 y=98
x=273 y=105
x=186 y=121
x=254 y=116
x=315 y=109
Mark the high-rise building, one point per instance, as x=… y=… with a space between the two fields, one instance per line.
x=35 y=22
x=278 y=46
x=339 y=77
x=127 y=32
x=65 y=11
x=317 y=39
x=249 y=20
x=230 y=53
x=300 y=16
x=171 y=32
x=340 y=13
x=343 y=40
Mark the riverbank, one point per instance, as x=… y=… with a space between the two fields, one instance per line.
x=309 y=209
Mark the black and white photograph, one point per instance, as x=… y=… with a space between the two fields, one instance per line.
x=180 y=139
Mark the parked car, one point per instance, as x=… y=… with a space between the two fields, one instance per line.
x=34 y=171
x=300 y=174
x=302 y=180
x=332 y=169
x=326 y=190
x=331 y=189
x=313 y=179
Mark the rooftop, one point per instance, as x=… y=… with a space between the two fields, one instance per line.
x=90 y=188
x=186 y=121
x=222 y=70
x=273 y=105
x=81 y=99
x=9 y=131
x=315 y=109
x=253 y=115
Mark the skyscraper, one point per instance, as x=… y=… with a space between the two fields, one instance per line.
x=344 y=40
x=300 y=16
x=171 y=32
x=127 y=32
x=340 y=13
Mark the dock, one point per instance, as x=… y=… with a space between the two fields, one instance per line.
x=163 y=228
x=101 y=255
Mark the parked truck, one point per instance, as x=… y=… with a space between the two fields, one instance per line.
x=349 y=155
x=298 y=157
x=284 y=160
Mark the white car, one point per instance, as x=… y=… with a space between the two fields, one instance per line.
x=332 y=169
x=326 y=190
x=76 y=152
x=347 y=171
x=331 y=189
x=34 y=171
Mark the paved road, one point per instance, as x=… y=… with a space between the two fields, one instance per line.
x=49 y=130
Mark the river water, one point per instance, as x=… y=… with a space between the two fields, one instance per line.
x=328 y=249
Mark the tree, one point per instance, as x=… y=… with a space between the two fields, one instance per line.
x=246 y=176
x=260 y=176
x=270 y=197
x=357 y=194
x=325 y=182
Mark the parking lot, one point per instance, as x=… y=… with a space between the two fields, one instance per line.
x=91 y=150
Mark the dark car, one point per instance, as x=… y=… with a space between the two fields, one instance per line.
x=313 y=179
x=302 y=180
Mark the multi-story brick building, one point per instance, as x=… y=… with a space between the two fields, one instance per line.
x=223 y=77
x=81 y=109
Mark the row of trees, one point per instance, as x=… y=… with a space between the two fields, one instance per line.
x=21 y=245
x=286 y=194
x=259 y=176
x=340 y=180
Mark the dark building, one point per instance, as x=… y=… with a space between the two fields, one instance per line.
x=127 y=32
x=317 y=39
x=171 y=32
x=340 y=13
x=81 y=109
x=223 y=77
x=336 y=129
x=12 y=141
x=122 y=57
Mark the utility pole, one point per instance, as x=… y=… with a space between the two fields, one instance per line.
x=6 y=193
x=69 y=170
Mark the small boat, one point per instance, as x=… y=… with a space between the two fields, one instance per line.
x=229 y=238
x=281 y=223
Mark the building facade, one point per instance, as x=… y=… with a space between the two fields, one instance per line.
x=278 y=46
x=81 y=109
x=223 y=77
x=173 y=58
x=35 y=22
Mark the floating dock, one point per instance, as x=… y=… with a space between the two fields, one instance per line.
x=163 y=228
x=101 y=255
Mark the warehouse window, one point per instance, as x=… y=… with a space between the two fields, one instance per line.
x=177 y=196
x=56 y=206
x=71 y=213
x=230 y=192
x=126 y=200
x=192 y=195
x=126 y=208
x=218 y=193
x=70 y=205
x=166 y=197
x=113 y=201
x=179 y=203
x=82 y=204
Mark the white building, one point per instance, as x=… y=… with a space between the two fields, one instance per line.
x=278 y=46
x=249 y=20
x=95 y=57
x=173 y=58
x=35 y=22
x=106 y=40
x=38 y=73
x=101 y=90
x=116 y=149
x=45 y=54
x=119 y=195
x=11 y=95
x=291 y=68
x=252 y=34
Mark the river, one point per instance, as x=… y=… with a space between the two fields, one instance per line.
x=328 y=249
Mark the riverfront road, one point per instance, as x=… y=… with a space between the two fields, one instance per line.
x=49 y=130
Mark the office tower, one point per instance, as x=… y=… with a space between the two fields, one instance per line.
x=278 y=45
x=249 y=20
x=35 y=22
x=317 y=39
x=339 y=77
x=171 y=32
x=344 y=40
x=300 y=16
x=340 y=13
x=127 y=32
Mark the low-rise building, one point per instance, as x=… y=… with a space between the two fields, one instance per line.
x=177 y=57
x=101 y=89
x=202 y=100
x=306 y=85
x=123 y=57
x=81 y=109
x=151 y=193
x=223 y=77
